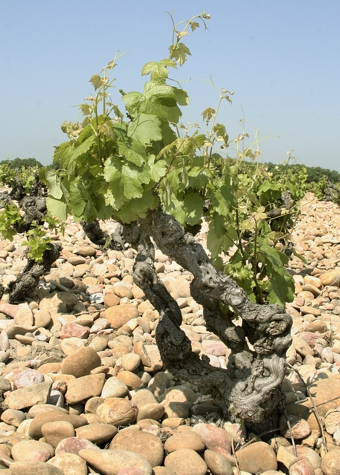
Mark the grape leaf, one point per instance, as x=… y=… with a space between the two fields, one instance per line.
x=179 y=52
x=57 y=208
x=145 y=128
x=193 y=207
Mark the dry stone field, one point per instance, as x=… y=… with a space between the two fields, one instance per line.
x=83 y=389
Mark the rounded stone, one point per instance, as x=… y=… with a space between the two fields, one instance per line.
x=105 y=460
x=131 y=380
x=215 y=439
x=69 y=464
x=257 y=457
x=111 y=299
x=97 y=433
x=116 y=411
x=140 y=442
x=114 y=387
x=73 y=445
x=32 y=450
x=72 y=345
x=50 y=416
x=185 y=440
x=99 y=343
x=131 y=362
x=84 y=388
x=330 y=464
x=178 y=401
x=85 y=251
x=301 y=465
x=81 y=363
x=217 y=463
x=151 y=411
x=120 y=314
x=55 y=432
x=13 y=417
x=186 y=461
x=299 y=427
x=143 y=397
x=42 y=319
x=34 y=468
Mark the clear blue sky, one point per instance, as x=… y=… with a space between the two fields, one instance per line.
x=280 y=57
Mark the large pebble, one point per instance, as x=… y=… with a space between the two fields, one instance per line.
x=50 y=416
x=119 y=315
x=82 y=389
x=256 y=457
x=54 y=432
x=81 y=363
x=131 y=380
x=215 y=439
x=32 y=450
x=110 y=462
x=116 y=411
x=217 y=464
x=29 y=396
x=185 y=440
x=186 y=461
x=73 y=445
x=69 y=464
x=299 y=428
x=301 y=465
x=178 y=401
x=330 y=464
x=140 y=442
x=97 y=433
x=151 y=411
x=114 y=387
x=34 y=468
x=331 y=278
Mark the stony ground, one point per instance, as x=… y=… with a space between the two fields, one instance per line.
x=83 y=387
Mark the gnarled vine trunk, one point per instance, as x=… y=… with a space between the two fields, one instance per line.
x=249 y=387
x=27 y=281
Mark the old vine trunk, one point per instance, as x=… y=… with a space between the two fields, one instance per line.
x=249 y=387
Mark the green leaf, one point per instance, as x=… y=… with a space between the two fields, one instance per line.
x=83 y=148
x=217 y=240
x=181 y=96
x=194 y=25
x=156 y=70
x=157 y=169
x=161 y=92
x=130 y=153
x=76 y=202
x=97 y=81
x=137 y=207
x=208 y=113
x=53 y=183
x=124 y=181
x=193 y=207
x=57 y=208
x=133 y=101
x=179 y=52
x=145 y=128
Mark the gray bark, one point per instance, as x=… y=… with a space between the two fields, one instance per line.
x=249 y=387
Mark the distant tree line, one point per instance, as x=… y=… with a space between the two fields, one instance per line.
x=315 y=174
x=18 y=163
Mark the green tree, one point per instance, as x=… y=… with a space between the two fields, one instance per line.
x=19 y=163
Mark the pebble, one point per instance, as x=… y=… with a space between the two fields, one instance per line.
x=86 y=342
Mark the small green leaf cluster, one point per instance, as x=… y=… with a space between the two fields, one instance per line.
x=10 y=217
x=120 y=165
x=37 y=242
